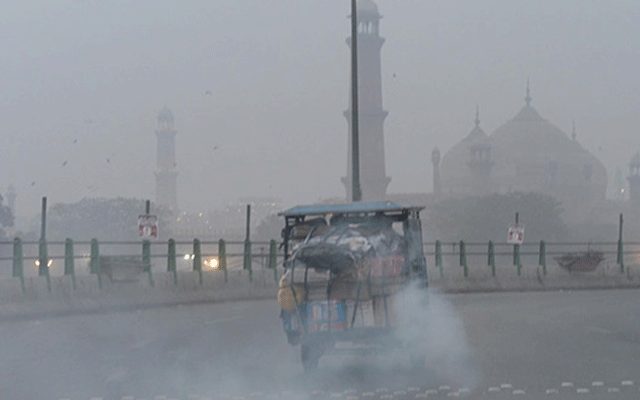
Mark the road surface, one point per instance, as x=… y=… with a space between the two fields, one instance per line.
x=583 y=345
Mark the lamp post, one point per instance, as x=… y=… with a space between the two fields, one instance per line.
x=356 y=192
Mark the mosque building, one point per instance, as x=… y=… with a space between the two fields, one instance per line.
x=526 y=154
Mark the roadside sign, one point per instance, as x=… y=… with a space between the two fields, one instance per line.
x=515 y=234
x=148 y=226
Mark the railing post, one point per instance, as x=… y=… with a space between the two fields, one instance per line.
x=439 y=258
x=43 y=258
x=18 y=262
x=95 y=267
x=463 y=259
x=543 y=257
x=273 y=258
x=222 y=258
x=69 y=266
x=620 y=258
x=197 y=259
x=516 y=258
x=247 y=259
x=146 y=259
x=171 y=260
x=491 y=258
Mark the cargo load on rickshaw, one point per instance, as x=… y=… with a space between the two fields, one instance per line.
x=346 y=269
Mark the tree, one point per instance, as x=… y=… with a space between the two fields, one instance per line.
x=6 y=219
x=480 y=219
x=101 y=218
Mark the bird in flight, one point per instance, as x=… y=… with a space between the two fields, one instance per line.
x=208 y=93
x=64 y=163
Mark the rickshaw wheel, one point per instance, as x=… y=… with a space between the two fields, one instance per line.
x=310 y=356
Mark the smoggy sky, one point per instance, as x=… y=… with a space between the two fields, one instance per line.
x=81 y=83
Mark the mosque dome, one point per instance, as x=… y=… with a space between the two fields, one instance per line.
x=456 y=174
x=367 y=7
x=528 y=154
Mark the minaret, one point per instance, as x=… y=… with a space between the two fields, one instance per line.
x=435 y=160
x=480 y=162
x=11 y=199
x=373 y=177
x=634 y=178
x=166 y=172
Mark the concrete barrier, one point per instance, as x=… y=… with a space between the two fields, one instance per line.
x=60 y=297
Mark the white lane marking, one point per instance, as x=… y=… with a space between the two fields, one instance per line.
x=566 y=384
x=552 y=391
x=441 y=388
x=613 y=390
x=600 y=330
x=368 y=394
x=413 y=389
x=224 y=319
x=453 y=394
x=430 y=392
x=627 y=383
x=582 y=390
x=519 y=391
x=399 y=393
x=382 y=390
x=494 y=389
x=506 y=386
x=597 y=383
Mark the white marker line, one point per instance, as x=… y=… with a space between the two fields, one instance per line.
x=506 y=386
x=519 y=391
x=552 y=391
x=453 y=394
x=441 y=388
x=627 y=383
x=613 y=390
x=494 y=389
x=597 y=383
x=413 y=389
x=566 y=384
x=464 y=390
x=582 y=390
x=430 y=392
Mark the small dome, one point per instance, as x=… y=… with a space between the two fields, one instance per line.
x=635 y=160
x=456 y=175
x=367 y=7
x=165 y=116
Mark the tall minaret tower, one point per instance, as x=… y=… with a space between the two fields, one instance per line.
x=166 y=172
x=373 y=177
x=435 y=160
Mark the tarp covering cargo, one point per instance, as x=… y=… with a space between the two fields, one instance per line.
x=344 y=262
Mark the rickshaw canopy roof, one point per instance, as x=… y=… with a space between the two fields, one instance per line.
x=350 y=208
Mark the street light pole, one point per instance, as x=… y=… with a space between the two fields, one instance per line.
x=356 y=192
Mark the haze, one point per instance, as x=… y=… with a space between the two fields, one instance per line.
x=81 y=84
